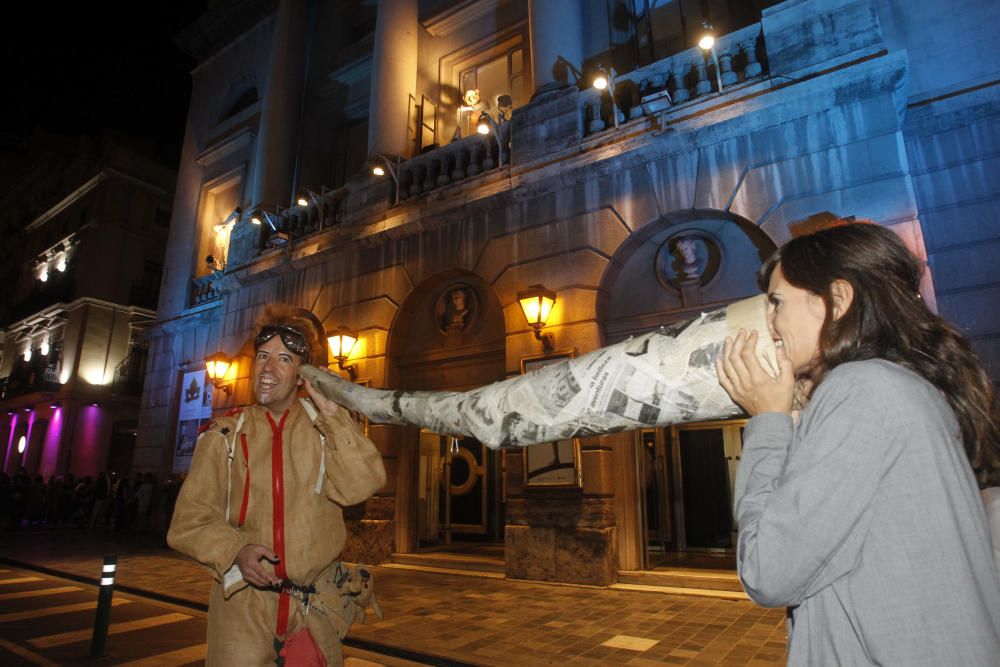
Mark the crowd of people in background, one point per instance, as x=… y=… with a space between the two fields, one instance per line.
x=122 y=503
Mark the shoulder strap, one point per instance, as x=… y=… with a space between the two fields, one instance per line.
x=310 y=409
x=230 y=449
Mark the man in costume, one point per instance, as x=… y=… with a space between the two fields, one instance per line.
x=261 y=507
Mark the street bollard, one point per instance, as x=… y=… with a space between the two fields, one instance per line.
x=103 y=606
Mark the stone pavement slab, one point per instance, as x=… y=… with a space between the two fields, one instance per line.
x=472 y=620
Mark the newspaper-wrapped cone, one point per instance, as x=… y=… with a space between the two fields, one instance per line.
x=656 y=379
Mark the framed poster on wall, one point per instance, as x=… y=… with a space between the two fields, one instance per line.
x=194 y=412
x=551 y=464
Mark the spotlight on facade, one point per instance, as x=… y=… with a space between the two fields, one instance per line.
x=26 y=355
x=44 y=349
x=341 y=343
x=217 y=365
x=484 y=123
x=55 y=405
x=22 y=442
x=256 y=216
x=382 y=164
x=707 y=44
x=536 y=304
x=605 y=80
x=43 y=271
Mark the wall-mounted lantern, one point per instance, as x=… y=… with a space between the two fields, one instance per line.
x=217 y=366
x=341 y=343
x=536 y=303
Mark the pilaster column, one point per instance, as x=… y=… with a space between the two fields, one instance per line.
x=556 y=39
x=278 y=135
x=394 y=76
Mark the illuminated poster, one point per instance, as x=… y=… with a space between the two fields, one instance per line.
x=195 y=410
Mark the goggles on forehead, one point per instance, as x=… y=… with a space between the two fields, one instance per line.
x=293 y=339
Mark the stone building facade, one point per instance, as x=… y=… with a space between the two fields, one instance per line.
x=83 y=282
x=639 y=205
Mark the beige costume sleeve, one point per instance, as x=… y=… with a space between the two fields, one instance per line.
x=354 y=469
x=199 y=527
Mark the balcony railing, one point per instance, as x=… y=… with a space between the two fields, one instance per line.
x=454 y=162
x=204 y=289
x=19 y=385
x=679 y=80
x=131 y=373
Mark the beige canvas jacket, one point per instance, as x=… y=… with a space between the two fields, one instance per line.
x=284 y=488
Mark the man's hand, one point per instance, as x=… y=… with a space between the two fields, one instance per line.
x=249 y=559
x=326 y=407
x=748 y=384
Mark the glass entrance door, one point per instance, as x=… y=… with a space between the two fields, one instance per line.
x=703 y=461
x=456 y=499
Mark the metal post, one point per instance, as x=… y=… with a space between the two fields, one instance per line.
x=718 y=71
x=103 y=606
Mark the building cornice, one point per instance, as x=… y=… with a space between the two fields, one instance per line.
x=57 y=312
x=75 y=196
x=221 y=149
x=454 y=19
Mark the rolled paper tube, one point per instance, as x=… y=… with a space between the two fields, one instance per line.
x=662 y=377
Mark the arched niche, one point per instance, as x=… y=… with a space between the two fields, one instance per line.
x=449 y=334
x=677 y=266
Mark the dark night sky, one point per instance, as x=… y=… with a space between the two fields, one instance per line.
x=71 y=72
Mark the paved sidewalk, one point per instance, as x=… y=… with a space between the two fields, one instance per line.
x=467 y=619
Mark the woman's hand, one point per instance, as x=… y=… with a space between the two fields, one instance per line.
x=748 y=384
x=326 y=407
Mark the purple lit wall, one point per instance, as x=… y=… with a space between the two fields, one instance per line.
x=11 y=445
x=89 y=445
x=50 y=452
x=27 y=439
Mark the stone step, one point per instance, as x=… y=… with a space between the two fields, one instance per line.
x=451 y=561
x=684 y=577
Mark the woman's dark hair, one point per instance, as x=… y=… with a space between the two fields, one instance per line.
x=887 y=319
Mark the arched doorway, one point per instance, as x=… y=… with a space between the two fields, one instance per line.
x=451 y=335
x=671 y=270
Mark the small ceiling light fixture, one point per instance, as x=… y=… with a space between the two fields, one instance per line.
x=341 y=343
x=536 y=304
x=217 y=366
x=55 y=405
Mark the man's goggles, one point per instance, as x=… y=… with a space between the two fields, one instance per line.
x=293 y=339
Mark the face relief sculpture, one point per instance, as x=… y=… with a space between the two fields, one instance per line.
x=656 y=379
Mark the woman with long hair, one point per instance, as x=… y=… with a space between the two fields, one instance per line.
x=862 y=516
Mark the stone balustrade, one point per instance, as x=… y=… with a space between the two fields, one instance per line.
x=204 y=289
x=678 y=80
x=454 y=162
